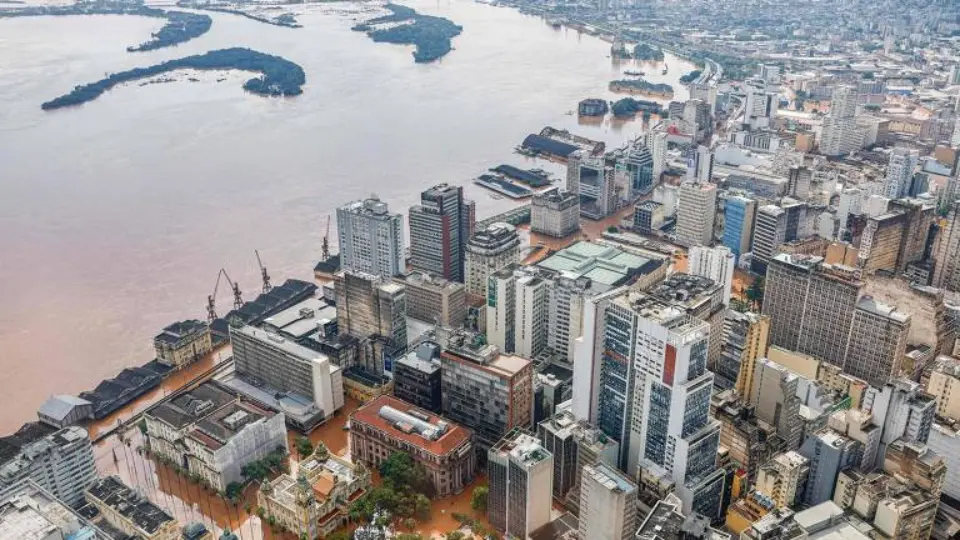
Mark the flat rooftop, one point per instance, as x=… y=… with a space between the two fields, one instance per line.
x=115 y=494
x=302 y=318
x=603 y=264
x=405 y=423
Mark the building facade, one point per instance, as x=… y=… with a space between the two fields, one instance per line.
x=435 y=300
x=696 y=212
x=416 y=377
x=738 y=216
x=370 y=238
x=487 y=251
x=608 y=504
x=60 y=462
x=717 y=263
x=439 y=228
x=124 y=509
x=555 y=212
x=520 y=478
x=182 y=343
x=373 y=310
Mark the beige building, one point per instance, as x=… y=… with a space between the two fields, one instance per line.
x=434 y=299
x=555 y=212
x=878 y=342
x=746 y=338
x=944 y=386
x=124 y=509
x=182 y=343
x=315 y=502
x=783 y=477
x=487 y=251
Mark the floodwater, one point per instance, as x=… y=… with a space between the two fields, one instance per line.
x=117 y=215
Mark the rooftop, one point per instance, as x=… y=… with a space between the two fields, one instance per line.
x=868 y=304
x=609 y=478
x=666 y=522
x=603 y=264
x=30 y=513
x=58 y=407
x=404 y=423
x=371 y=207
x=302 y=318
x=424 y=280
x=178 y=330
x=111 y=492
x=278 y=342
x=191 y=406
x=521 y=447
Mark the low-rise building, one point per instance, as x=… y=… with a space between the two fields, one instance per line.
x=417 y=379
x=124 y=509
x=31 y=513
x=387 y=425
x=63 y=410
x=213 y=433
x=666 y=522
x=61 y=462
x=182 y=343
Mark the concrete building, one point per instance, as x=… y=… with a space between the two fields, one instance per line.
x=373 y=310
x=213 y=434
x=316 y=502
x=648 y=216
x=666 y=521
x=839 y=134
x=182 y=343
x=699 y=297
x=774 y=395
x=900 y=168
x=877 y=343
x=701 y=168
x=416 y=377
x=656 y=142
x=520 y=478
x=124 y=509
x=747 y=442
x=738 y=217
x=60 y=462
x=439 y=228
x=902 y=411
x=64 y=410
x=638 y=164
x=489 y=250
x=946 y=273
x=555 y=212
x=783 y=478
x=944 y=386
x=944 y=439
x=285 y=376
x=435 y=300
x=696 y=212
x=760 y=107
x=486 y=391
x=745 y=340
x=829 y=453
x=370 y=238
x=387 y=425
x=717 y=264
x=608 y=504
x=31 y=513
x=769 y=232
x=594 y=183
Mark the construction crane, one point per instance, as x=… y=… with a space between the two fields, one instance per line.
x=263 y=274
x=326 y=241
x=212 y=299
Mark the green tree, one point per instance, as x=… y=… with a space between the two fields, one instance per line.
x=755 y=293
x=422 y=506
x=478 y=501
x=304 y=447
x=234 y=491
x=410 y=524
x=455 y=535
x=403 y=472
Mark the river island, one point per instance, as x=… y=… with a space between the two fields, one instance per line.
x=179 y=28
x=642 y=87
x=287 y=20
x=405 y=26
x=279 y=76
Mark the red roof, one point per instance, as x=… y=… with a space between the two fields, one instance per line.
x=369 y=414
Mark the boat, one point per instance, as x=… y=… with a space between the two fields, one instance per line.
x=665 y=69
x=630 y=73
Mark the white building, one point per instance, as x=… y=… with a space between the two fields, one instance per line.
x=701 y=170
x=60 y=462
x=608 y=504
x=900 y=169
x=656 y=142
x=839 y=134
x=489 y=250
x=696 y=212
x=667 y=195
x=555 y=212
x=945 y=441
x=370 y=237
x=716 y=263
x=520 y=478
x=760 y=107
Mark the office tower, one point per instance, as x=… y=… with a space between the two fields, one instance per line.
x=745 y=337
x=768 y=234
x=839 y=134
x=783 y=478
x=878 y=342
x=900 y=169
x=532 y=308
x=918 y=219
x=373 y=310
x=829 y=453
x=555 y=212
x=774 y=396
x=128 y=512
x=696 y=211
x=946 y=273
x=699 y=297
x=267 y=365
x=486 y=391
x=60 y=462
x=435 y=300
x=638 y=164
x=656 y=142
x=608 y=504
x=700 y=170
x=387 y=425
x=715 y=263
x=439 y=227
x=760 y=107
x=489 y=250
x=558 y=436
x=944 y=386
x=902 y=411
x=648 y=216
x=654 y=397
x=798 y=182
x=594 y=182
x=371 y=238
x=811 y=305
x=738 y=217
x=520 y=478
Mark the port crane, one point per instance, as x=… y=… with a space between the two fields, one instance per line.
x=263 y=274
x=325 y=254
x=212 y=299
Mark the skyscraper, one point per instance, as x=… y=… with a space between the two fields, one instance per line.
x=487 y=251
x=878 y=342
x=371 y=238
x=946 y=273
x=608 y=504
x=738 y=217
x=61 y=462
x=594 y=182
x=555 y=212
x=900 y=169
x=745 y=338
x=439 y=227
x=373 y=310
x=839 y=134
x=656 y=142
x=696 y=213
x=715 y=263
x=701 y=169
x=520 y=478
x=829 y=453
x=774 y=396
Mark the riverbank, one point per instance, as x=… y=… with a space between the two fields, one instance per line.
x=286 y=20
x=281 y=77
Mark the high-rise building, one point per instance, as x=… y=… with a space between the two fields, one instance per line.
x=769 y=232
x=489 y=250
x=648 y=216
x=798 y=182
x=783 y=478
x=946 y=272
x=900 y=169
x=774 y=396
x=435 y=300
x=696 y=212
x=638 y=164
x=574 y=444
x=738 y=217
x=811 y=305
x=608 y=504
x=760 y=107
x=839 y=134
x=555 y=212
x=716 y=263
x=371 y=238
x=902 y=411
x=877 y=343
x=439 y=228
x=594 y=182
x=486 y=391
x=520 y=478
x=944 y=386
x=699 y=297
x=701 y=166
x=745 y=340
x=829 y=453
x=654 y=397
x=656 y=142
x=374 y=311
x=60 y=462
x=416 y=377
